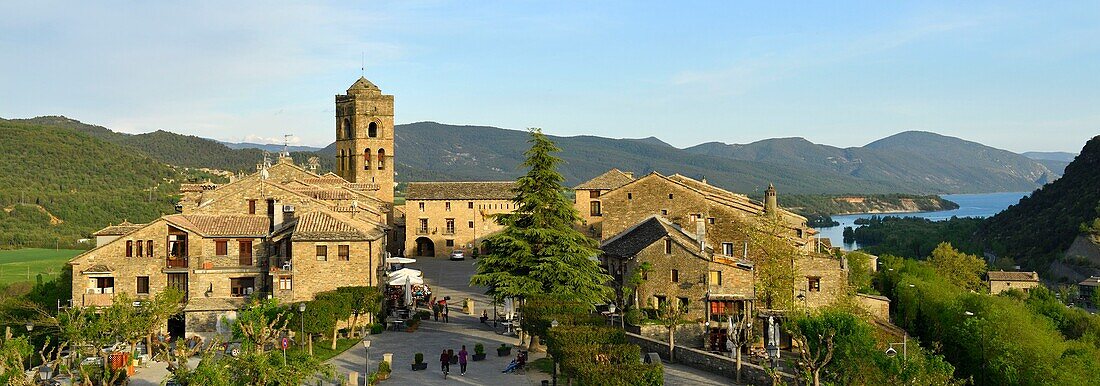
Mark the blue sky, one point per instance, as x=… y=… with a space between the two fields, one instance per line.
x=1020 y=76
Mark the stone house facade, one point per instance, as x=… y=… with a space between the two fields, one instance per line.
x=282 y=232
x=587 y=202
x=441 y=217
x=1001 y=281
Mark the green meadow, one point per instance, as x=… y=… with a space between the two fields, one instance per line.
x=24 y=264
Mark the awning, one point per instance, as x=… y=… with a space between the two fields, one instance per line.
x=406 y=272
x=401 y=280
x=399 y=260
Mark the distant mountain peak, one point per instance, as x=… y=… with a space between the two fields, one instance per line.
x=650 y=140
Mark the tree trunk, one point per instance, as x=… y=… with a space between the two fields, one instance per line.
x=309 y=337
x=335 y=330
x=738 y=356
x=533 y=346
x=671 y=342
x=817 y=377
x=354 y=322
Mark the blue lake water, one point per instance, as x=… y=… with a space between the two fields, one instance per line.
x=970 y=205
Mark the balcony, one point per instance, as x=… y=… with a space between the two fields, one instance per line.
x=175 y=262
x=449 y=231
x=99 y=297
x=422 y=231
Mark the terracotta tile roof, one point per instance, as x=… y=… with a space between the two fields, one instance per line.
x=322 y=226
x=1012 y=276
x=468 y=190
x=360 y=186
x=98 y=268
x=612 y=179
x=1092 y=281
x=118 y=230
x=327 y=179
x=223 y=225
x=323 y=193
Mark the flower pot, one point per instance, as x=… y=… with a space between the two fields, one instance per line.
x=385 y=376
x=419 y=366
x=479 y=357
x=504 y=351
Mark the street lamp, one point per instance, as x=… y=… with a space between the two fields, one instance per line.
x=611 y=310
x=44 y=373
x=891 y=352
x=554 y=324
x=301 y=314
x=30 y=327
x=366 y=360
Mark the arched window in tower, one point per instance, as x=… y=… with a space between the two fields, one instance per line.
x=366 y=158
x=340 y=161
x=348 y=131
x=381 y=159
x=372 y=130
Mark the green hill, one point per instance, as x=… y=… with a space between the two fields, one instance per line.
x=1040 y=227
x=909 y=162
x=59 y=185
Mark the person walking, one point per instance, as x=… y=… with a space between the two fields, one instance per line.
x=435 y=309
x=446 y=314
x=462 y=359
x=445 y=363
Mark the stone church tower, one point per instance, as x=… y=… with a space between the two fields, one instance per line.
x=364 y=137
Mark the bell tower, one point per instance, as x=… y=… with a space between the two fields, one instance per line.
x=364 y=137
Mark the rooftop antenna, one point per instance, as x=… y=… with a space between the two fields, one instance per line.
x=286 y=146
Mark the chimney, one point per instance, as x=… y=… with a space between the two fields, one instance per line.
x=701 y=233
x=771 y=204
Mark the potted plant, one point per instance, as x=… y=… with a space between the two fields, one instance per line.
x=479 y=352
x=372 y=378
x=383 y=370
x=504 y=350
x=418 y=362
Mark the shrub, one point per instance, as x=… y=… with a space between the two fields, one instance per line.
x=565 y=336
x=633 y=374
x=579 y=357
x=418 y=358
x=651 y=313
x=377 y=328
x=384 y=367
x=423 y=315
x=479 y=348
x=635 y=316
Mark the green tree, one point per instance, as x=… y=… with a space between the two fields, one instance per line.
x=671 y=314
x=363 y=300
x=961 y=269
x=859 y=272
x=773 y=256
x=538 y=251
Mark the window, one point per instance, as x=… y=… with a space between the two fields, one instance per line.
x=595 y=207
x=661 y=300
x=670 y=196
x=727 y=249
x=177 y=245
x=450 y=243
x=683 y=303
x=664 y=212
x=242 y=286
x=221 y=247
x=149 y=248
x=694 y=218
x=450 y=226
x=471 y=224
x=447 y=206
x=129 y=248
x=372 y=130
x=715 y=277
x=423 y=226
x=381 y=159
x=322 y=253
x=593 y=194
x=143 y=285
x=251 y=206
x=344 y=252
x=348 y=131
x=630 y=196
x=286 y=283
x=720 y=308
x=178 y=281
x=140 y=250
x=813 y=284
x=675 y=276
x=366 y=159
x=470 y=205
x=421 y=205
x=104 y=285
x=668 y=246
x=244 y=252
x=710 y=220
x=799 y=232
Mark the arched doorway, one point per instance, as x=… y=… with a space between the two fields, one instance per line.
x=425 y=247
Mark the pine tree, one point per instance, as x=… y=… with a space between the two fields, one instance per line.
x=539 y=252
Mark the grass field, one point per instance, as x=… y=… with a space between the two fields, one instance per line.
x=24 y=264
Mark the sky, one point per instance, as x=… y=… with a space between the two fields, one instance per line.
x=1023 y=76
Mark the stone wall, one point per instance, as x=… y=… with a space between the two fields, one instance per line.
x=124 y=270
x=750 y=373
x=311 y=275
x=688 y=334
x=464 y=235
x=692 y=273
x=877 y=306
x=827 y=270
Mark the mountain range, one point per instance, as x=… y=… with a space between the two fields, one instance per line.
x=910 y=162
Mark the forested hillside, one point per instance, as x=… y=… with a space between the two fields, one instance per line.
x=178 y=149
x=1044 y=224
x=59 y=185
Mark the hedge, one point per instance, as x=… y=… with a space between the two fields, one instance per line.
x=566 y=336
x=637 y=374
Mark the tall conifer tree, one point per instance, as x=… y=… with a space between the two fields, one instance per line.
x=539 y=252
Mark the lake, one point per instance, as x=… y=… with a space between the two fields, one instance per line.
x=970 y=205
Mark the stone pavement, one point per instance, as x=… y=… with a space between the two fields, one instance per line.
x=451 y=278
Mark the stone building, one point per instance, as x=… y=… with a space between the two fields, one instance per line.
x=441 y=217
x=587 y=198
x=282 y=232
x=1001 y=281
x=718 y=223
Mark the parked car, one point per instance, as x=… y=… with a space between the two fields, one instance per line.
x=457 y=255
